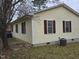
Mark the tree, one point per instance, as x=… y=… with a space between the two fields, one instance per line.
x=25 y=8
x=7 y=11
x=39 y=3
x=53 y=2
x=56 y=1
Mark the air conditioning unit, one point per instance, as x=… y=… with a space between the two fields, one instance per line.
x=62 y=42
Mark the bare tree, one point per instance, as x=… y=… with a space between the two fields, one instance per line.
x=26 y=8
x=39 y=3
x=7 y=11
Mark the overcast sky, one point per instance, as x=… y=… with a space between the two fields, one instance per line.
x=72 y=3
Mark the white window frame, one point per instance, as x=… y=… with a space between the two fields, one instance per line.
x=47 y=27
x=66 y=26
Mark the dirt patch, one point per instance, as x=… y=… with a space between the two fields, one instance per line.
x=14 y=47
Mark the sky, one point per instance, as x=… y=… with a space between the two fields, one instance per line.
x=72 y=3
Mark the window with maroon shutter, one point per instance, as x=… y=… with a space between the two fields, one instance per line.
x=66 y=26
x=16 y=28
x=45 y=26
x=70 y=26
x=12 y=28
x=23 y=25
x=54 y=27
x=63 y=26
x=49 y=26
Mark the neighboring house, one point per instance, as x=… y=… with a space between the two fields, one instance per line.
x=9 y=31
x=48 y=25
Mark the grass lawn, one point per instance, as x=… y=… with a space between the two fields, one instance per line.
x=23 y=51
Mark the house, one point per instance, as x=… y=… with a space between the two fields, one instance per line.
x=9 y=31
x=48 y=25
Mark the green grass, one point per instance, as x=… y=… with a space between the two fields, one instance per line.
x=71 y=51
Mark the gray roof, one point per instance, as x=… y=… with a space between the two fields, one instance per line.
x=22 y=18
x=60 y=5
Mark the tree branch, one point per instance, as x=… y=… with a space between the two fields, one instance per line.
x=16 y=2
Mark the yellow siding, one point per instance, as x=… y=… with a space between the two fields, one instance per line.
x=26 y=37
x=57 y=14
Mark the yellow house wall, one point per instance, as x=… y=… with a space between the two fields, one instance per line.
x=25 y=37
x=58 y=14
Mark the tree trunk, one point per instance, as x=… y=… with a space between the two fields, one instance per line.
x=4 y=39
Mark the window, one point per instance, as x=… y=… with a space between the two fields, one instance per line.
x=16 y=28
x=66 y=26
x=12 y=28
x=49 y=27
x=23 y=25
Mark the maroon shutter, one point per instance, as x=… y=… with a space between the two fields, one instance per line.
x=63 y=26
x=54 y=27
x=45 y=26
x=70 y=26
